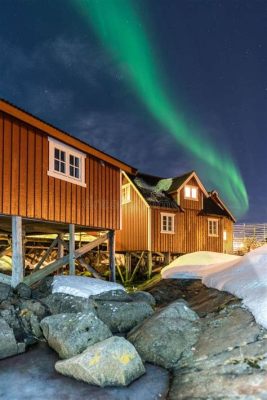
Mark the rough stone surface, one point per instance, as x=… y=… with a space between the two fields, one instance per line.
x=70 y=334
x=8 y=344
x=122 y=317
x=112 y=295
x=229 y=361
x=23 y=291
x=163 y=338
x=33 y=376
x=43 y=288
x=112 y=362
x=59 y=303
x=143 y=296
x=5 y=291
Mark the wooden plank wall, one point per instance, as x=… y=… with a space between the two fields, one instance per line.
x=192 y=204
x=228 y=243
x=134 y=234
x=27 y=190
x=164 y=242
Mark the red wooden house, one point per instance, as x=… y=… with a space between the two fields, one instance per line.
x=52 y=182
x=172 y=216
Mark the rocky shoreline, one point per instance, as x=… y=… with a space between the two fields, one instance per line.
x=209 y=344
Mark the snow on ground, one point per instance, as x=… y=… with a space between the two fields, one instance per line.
x=82 y=286
x=245 y=277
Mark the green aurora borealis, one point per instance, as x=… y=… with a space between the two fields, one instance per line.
x=120 y=28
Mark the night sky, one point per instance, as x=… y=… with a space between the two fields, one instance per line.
x=213 y=57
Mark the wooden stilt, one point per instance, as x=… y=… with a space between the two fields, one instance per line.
x=71 y=249
x=128 y=262
x=167 y=258
x=112 y=266
x=60 y=247
x=149 y=264
x=17 y=252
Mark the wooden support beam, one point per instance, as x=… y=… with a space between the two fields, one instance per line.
x=46 y=254
x=52 y=267
x=71 y=249
x=112 y=265
x=84 y=264
x=149 y=264
x=60 y=246
x=137 y=266
x=17 y=251
x=167 y=258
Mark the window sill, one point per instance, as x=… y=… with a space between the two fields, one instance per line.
x=213 y=235
x=168 y=232
x=66 y=178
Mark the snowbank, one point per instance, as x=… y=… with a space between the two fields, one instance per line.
x=245 y=277
x=82 y=286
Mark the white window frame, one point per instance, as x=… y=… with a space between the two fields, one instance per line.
x=191 y=188
x=216 y=232
x=168 y=215
x=70 y=151
x=127 y=197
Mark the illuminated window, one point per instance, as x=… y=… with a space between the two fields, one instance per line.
x=191 y=192
x=66 y=163
x=167 y=223
x=126 y=193
x=224 y=235
x=213 y=227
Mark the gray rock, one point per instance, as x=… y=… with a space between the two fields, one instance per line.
x=43 y=288
x=112 y=362
x=5 y=291
x=8 y=344
x=70 y=334
x=112 y=295
x=34 y=307
x=143 y=296
x=122 y=317
x=163 y=338
x=23 y=291
x=59 y=303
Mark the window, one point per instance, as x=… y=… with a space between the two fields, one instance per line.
x=213 y=227
x=224 y=235
x=167 y=223
x=191 y=192
x=126 y=193
x=66 y=163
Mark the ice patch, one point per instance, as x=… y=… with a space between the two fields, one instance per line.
x=82 y=286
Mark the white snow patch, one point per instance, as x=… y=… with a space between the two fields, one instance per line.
x=245 y=277
x=82 y=286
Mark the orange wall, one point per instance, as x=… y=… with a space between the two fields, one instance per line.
x=27 y=190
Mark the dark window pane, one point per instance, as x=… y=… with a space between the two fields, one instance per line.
x=77 y=173
x=56 y=165
x=71 y=160
x=71 y=171
x=57 y=154
x=77 y=162
x=62 y=168
x=63 y=154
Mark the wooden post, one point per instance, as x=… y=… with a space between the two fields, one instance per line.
x=112 y=266
x=149 y=263
x=60 y=247
x=71 y=249
x=17 y=252
x=167 y=258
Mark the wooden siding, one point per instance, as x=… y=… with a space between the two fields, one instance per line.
x=228 y=243
x=134 y=233
x=191 y=204
x=27 y=190
x=164 y=242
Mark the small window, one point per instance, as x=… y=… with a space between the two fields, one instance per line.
x=167 y=223
x=66 y=163
x=224 y=235
x=191 y=192
x=213 y=227
x=126 y=193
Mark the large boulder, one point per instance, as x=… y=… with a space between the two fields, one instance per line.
x=70 y=334
x=8 y=344
x=112 y=362
x=163 y=338
x=59 y=303
x=5 y=291
x=121 y=316
x=112 y=295
x=143 y=296
x=23 y=291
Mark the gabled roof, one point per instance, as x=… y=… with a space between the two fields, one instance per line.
x=218 y=204
x=59 y=134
